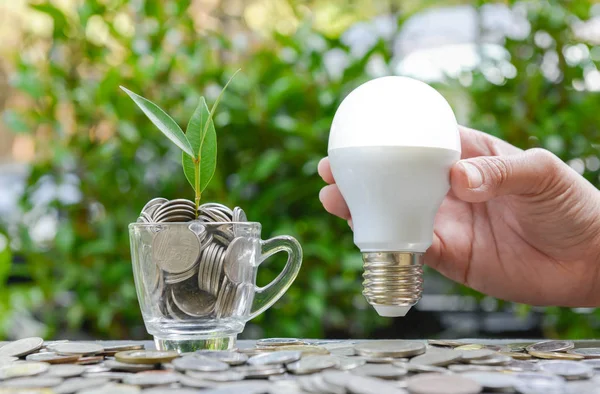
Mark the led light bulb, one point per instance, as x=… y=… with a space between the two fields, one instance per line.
x=392 y=143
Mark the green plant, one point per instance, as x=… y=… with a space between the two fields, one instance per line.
x=198 y=143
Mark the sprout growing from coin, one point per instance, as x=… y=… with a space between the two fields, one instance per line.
x=198 y=143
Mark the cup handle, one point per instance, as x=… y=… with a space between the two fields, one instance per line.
x=266 y=296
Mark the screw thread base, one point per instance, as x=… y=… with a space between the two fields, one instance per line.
x=393 y=281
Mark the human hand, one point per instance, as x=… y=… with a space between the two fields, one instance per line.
x=517 y=225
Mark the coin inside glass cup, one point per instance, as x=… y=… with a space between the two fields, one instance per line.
x=175 y=249
x=236 y=258
x=192 y=301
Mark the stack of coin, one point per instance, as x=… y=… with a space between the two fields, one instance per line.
x=199 y=270
x=289 y=365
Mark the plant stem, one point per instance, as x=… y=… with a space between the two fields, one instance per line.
x=197 y=183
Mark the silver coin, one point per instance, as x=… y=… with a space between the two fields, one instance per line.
x=52 y=358
x=190 y=381
x=539 y=383
x=237 y=258
x=128 y=367
x=175 y=249
x=22 y=369
x=522 y=366
x=4 y=360
x=32 y=383
x=312 y=364
x=223 y=376
x=419 y=368
x=21 y=347
x=594 y=363
x=384 y=371
x=174 y=390
x=433 y=383
x=590 y=352
x=551 y=346
x=65 y=370
x=477 y=354
x=279 y=342
x=348 y=363
x=569 y=370
x=440 y=358
x=173 y=311
x=370 y=385
x=78 y=348
x=112 y=388
x=191 y=300
x=152 y=378
x=470 y=367
x=380 y=360
x=390 y=348
x=217 y=273
x=153 y=204
x=106 y=374
x=229 y=357
x=496 y=359
x=278 y=357
x=77 y=384
x=199 y=363
x=342 y=351
x=492 y=380
x=260 y=371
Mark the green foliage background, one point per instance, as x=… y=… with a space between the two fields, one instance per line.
x=272 y=128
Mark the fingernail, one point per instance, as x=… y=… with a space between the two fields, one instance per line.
x=473 y=175
x=351 y=224
x=321 y=194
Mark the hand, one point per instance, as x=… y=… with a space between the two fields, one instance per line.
x=517 y=225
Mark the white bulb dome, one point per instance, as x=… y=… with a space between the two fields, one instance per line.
x=394 y=111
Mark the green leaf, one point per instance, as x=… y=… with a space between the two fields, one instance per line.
x=207 y=151
x=164 y=122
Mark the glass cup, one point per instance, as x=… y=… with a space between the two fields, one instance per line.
x=196 y=281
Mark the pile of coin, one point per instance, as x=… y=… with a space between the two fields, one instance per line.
x=198 y=269
x=289 y=365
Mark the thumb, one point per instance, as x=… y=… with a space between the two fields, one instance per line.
x=481 y=179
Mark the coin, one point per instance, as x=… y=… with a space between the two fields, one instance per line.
x=555 y=355
x=21 y=347
x=229 y=357
x=152 y=378
x=223 y=376
x=390 y=348
x=347 y=363
x=279 y=342
x=517 y=356
x=419 y=368
x=567 y=369
x=190 y=381
x=112 y=350
x=192 y=301
x=304 y=349
x=551 y=346
x=370 y=385
x=496 y=359
x=433 y=383
x=440 y=358
x=311 y=364
x=260 y=371
x=237 y=256
x=538 y=382
x=492 y=380
x=20 y=369
x=385 y=371
x=112 y=388
x=52 y=358
x=477 y=354
x=88 y=360
x=146 y=356
x=473 y=346
x=278 y=357
x=445 y=343
x=65 y=370
x=32 y=383
x=199 y=363
x=77 y=348
x=591 y=352
x=594 y=363
x=129 y=367
x=7 y=360
x=175 y=249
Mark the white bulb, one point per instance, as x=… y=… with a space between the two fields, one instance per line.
x=392 y=143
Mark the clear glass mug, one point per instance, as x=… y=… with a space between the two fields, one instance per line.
x=196 y=281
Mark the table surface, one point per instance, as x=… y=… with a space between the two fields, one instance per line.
x=575 y=387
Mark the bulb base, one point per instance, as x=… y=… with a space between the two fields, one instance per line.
x=393 y=281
